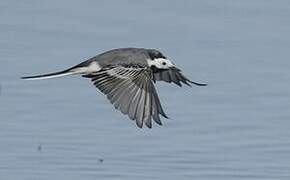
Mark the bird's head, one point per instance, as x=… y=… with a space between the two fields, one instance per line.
x=158 y=60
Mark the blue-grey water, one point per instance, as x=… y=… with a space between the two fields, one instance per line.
x=235 y=128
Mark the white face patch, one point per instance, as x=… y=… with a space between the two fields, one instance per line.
x=160 y=63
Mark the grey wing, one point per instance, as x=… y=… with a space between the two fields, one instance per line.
x=131 y=90
x=174 y=75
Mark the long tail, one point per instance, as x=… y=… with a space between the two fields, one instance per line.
x=82 y=68
x=50 y=75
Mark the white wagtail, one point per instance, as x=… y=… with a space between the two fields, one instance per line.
x=126 y=77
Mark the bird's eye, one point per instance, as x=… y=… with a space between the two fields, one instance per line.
x=163 y=63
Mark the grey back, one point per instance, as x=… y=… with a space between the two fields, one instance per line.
x=123 y=56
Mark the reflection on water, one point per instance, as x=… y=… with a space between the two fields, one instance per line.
x=236 y=128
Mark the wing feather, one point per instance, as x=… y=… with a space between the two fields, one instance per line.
x=131 y=90
x=173 y=75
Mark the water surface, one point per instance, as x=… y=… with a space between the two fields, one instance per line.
x=236 y=128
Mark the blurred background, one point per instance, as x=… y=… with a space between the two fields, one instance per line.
x=235 y=128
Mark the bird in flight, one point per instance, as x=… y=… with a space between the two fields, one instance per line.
x=127 y=76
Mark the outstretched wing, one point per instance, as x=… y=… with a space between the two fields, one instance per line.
x=130 y=90
x=173 y=75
